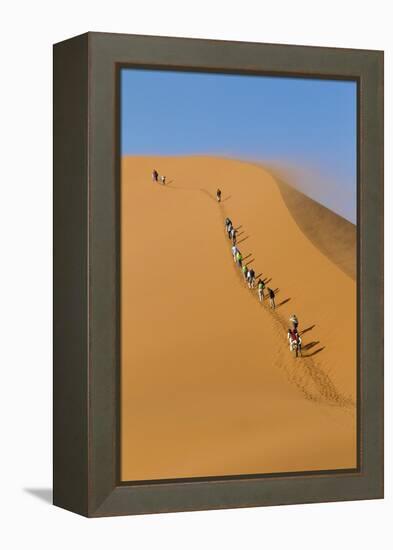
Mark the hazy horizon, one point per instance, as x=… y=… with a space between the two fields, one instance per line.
x=302 y=129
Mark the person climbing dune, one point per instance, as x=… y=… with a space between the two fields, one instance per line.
x=251 y=278
x=261 y=290
x=239 y=259
x=294 y=320
x=245 y=272
x=271 y=298
x=218 y=195
x=295 y=342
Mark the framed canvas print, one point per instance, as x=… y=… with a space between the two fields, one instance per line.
x=218 y=274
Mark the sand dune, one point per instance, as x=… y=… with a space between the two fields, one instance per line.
x=333 y=235
x=208 y=384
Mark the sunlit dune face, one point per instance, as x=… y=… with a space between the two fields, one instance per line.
x=208 y=384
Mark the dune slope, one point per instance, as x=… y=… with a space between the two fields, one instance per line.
x=208 y=385
x=332 y=235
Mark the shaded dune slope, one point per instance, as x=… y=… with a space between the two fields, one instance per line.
x=332 y=234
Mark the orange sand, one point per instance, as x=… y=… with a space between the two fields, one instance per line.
x=208 y=385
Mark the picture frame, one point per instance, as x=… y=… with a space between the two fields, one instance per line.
x=86 y=337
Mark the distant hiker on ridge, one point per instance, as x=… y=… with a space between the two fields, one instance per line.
x=154 y=176
x=218 y=195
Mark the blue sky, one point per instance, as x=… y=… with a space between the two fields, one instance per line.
x=305 y=129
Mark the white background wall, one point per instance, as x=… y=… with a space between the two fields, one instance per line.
x=28 y=29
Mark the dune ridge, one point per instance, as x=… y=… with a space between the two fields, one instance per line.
x=208 y=383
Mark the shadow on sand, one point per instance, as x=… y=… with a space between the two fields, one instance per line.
x=283 y=302
x=315 y=352
x=310 y=345
x=307 y=329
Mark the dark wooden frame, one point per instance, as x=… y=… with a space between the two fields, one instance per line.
x=86 y=271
